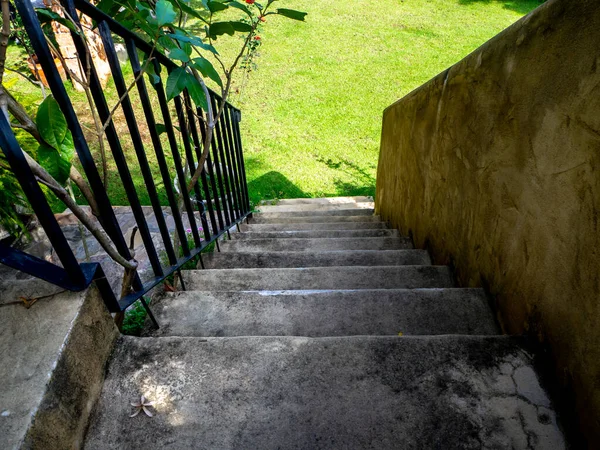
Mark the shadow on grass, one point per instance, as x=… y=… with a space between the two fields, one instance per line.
x=271 y=186
x=364 y=184
x=519 y=6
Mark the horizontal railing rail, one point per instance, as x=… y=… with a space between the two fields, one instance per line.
x=219 y=200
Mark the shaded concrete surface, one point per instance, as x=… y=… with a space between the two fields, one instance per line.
x=319 y=212
x=360 y=277
x=268 y=218
x=324 y=313
x=318 y=201
x=494 y=164
x=312 y=234
x=53 y=356
x=316 y=259
x=314 y=207
x=314 y=226
x=319 y=244
x=451 y=392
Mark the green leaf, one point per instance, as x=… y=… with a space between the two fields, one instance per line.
x=150 y=70
x=207 y=69
x=160 y=128
x=176 y=82
x=54 y=163
x=242 y=27
x=215 y=6
x=191 y=11
x=165 y=14
x=196 y=92
x=47 y=15
x=240 y=6
x=220 y=28
x=194 y=40
x=51 y=123
x=179 y=54
x=292 y=14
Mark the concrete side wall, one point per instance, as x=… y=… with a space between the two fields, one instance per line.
x=495 y=166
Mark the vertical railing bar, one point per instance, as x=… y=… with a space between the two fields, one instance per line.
x=164 y=107
x=113 y=139
x=235 y=163
x=211 y=176
x=227 y=150
x=183 y=127
x=225 y=170
x=157 y=144
x=37 y=200
x=107 y=216
x=238 y=140
x=197 y=145
x=218 y=170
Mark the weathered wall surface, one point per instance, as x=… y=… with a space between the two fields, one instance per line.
x=495 y=166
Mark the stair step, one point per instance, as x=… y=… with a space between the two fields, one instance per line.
x=318 y=244
x=360 y=277
x=274 y=214
x=312 y=208
x=229 y=260
x=324 y=313
x=303 y=234
x=293 y=219
x=323 y=200
x=329 y=393
x=314 y=226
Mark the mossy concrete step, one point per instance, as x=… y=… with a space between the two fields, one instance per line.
x=228 y=260
x=282 y=214
x=380 y=277
x=450 y=392
x=318 y=207
x=293 y=219
x=321 y=201
x=315 y=245
x=314 y=226
x=303 y=234
x=324 y=313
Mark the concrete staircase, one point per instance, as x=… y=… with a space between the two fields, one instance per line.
x=318 y=327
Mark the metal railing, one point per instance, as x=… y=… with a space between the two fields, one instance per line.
x=220 y=199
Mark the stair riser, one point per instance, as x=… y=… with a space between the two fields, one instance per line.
x=400 y=277
x=268 y=219
x=315 y=226
x=315 y=245
x=228 y=260
x=315 y=207
x=357 y=212
x=314 y=234
x=323 y=201
x=321 y=314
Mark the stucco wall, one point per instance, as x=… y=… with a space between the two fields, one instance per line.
x=494 y=165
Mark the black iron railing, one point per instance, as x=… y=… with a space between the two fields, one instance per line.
x=219 y=201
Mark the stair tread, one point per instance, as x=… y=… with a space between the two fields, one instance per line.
x=340 y=392
x=313 y=207
x=324 y=313
x=316 y=244
x=273 y=212
x=314 y=226
x=308 y=234
x=233 y=260
x=338 y=277
x=288 y=218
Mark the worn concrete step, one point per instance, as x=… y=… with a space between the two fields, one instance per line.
x=312 y=234
x=312 y=208
x=313 y=245
x=344 y=277
x=321 y=201
x=228 y=260
x=324 y=313
x=278 y=220
x=273 y=214
x=442 y=392
x=315 y=226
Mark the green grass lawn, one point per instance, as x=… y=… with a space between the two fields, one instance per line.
x=313 y=109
